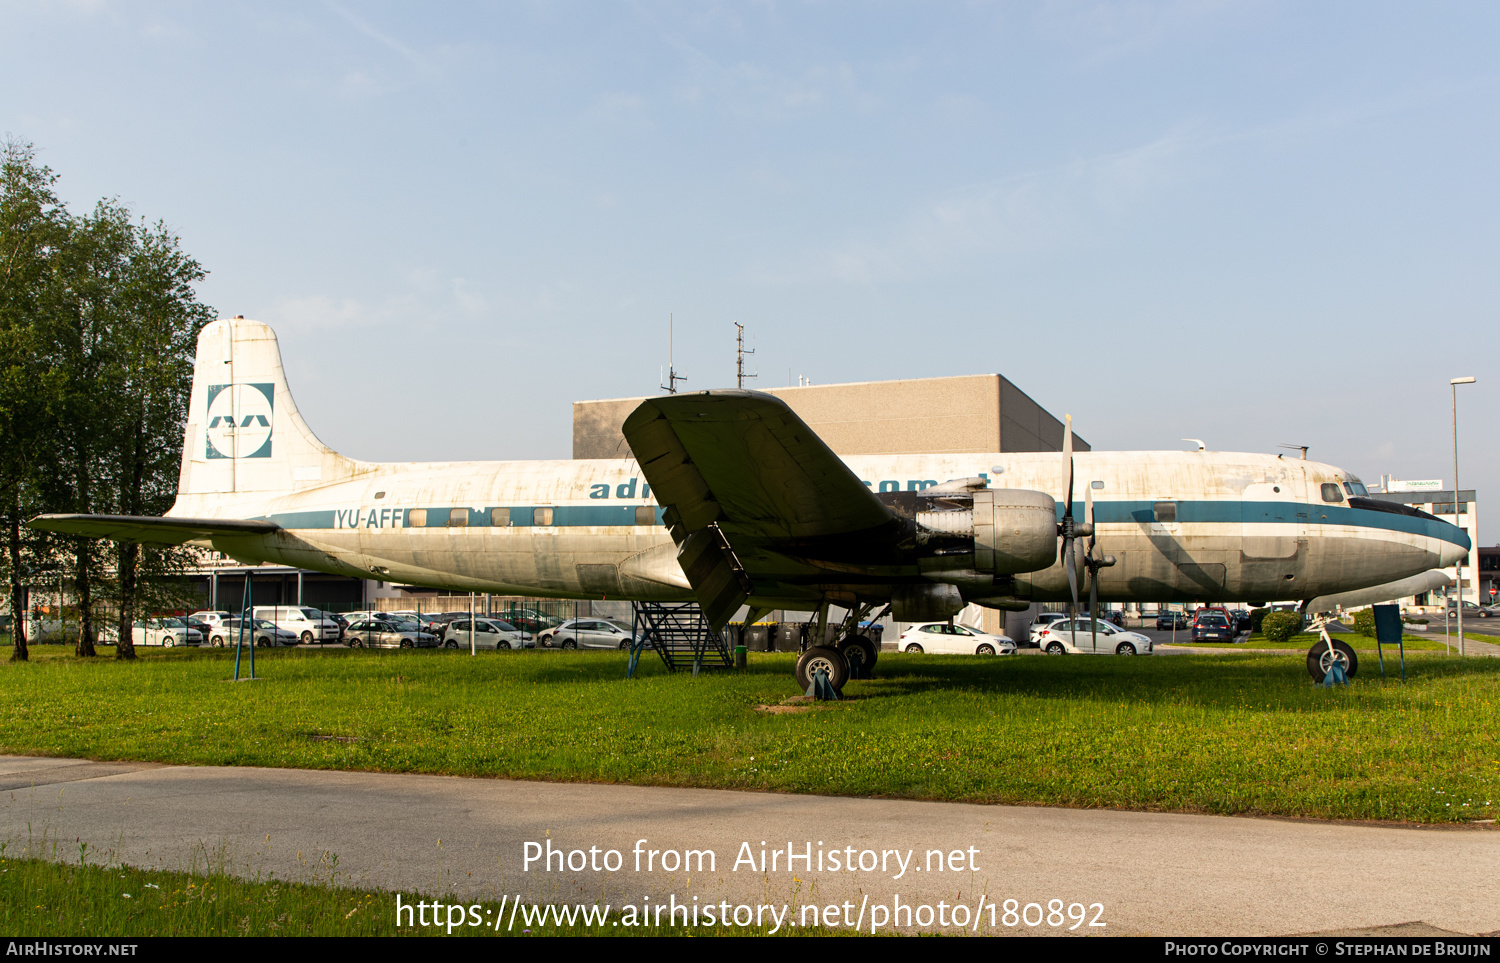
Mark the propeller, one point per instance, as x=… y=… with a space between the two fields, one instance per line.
x=1070 y=529
x=1093 y=561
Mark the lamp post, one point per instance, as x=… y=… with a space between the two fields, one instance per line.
x=1453 y=385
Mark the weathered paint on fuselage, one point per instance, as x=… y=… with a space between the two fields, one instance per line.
x=1247 y=527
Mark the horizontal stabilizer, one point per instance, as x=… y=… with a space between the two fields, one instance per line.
x=146 y=528
x=1429 y=581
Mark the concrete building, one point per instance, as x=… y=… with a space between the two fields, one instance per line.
x=968 y=413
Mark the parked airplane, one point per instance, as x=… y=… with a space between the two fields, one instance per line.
x=731 y=499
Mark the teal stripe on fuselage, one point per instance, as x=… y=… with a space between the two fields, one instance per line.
x=1225 y=511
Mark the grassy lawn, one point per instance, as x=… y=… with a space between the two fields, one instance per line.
x=1232 y=734
x=46 y=899
x=1301 y=643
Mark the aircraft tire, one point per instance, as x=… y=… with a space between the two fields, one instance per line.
x=1056 y=648
x=1318 y=661
x=868 y=653
x=822 y=657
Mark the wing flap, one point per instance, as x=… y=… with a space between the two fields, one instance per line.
x=746 y=461
x=146 y=528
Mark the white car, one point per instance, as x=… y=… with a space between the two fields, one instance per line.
x=164 y=632
x=1040 y=623
x=1077 y=635
x=488 y=634
x=944 y=638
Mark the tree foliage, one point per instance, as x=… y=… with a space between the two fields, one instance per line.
x=98 y=324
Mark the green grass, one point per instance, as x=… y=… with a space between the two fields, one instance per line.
x=1232 y=734
x=1301 y=643
x=44 y=899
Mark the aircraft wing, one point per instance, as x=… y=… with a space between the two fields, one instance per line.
x=750 y=492
x=146 y=528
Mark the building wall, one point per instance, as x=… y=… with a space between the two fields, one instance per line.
x=969 y=413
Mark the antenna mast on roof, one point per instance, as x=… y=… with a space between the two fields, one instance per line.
x=739 y=357
x=1301 y=448
x=672 y=376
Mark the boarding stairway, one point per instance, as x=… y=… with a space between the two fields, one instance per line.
x=681 y=636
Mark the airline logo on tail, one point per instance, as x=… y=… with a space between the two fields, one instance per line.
x=239 y=421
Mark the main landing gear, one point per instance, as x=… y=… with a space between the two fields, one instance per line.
x=851 y=655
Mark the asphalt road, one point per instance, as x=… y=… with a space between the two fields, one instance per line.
x=1136 y=873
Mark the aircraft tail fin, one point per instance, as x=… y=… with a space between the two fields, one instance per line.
x=244 y=435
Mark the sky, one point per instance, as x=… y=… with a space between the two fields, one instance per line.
x=1254 y=223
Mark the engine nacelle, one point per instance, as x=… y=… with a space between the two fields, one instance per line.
x=1015 y=531
x=933 y=602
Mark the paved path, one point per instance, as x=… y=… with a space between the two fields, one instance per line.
x=1153 y=873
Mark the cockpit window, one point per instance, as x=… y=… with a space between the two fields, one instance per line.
x=1356 y=488
x=1331 y=493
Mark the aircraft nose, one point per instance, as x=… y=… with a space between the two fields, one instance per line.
x=1451 y=553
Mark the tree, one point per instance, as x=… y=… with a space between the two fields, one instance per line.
x=33 y=228
x=98 y=327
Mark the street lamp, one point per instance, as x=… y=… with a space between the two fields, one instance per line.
x=1453 y=384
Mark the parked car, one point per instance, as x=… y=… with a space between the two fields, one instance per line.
x=1471 y=610
x=164 y=632
x=944 y=638
x=308 y=623
x=488 y=634
x=381 y=634
x=1171 y=620
x=261 y=632
x=591 y=633
x=1079 y=635
x=1038 y=624
x=527 y=619
x=1212 y=627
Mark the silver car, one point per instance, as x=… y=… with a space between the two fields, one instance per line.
x=592 y=633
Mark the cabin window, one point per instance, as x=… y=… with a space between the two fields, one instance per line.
x=380 y=494
x=1331 y=493
x=416 y=518
x=1096 y=485
x=541 y=516
x=1164 y=512
x=500 y=517
x=645 y=515
x=458 y=518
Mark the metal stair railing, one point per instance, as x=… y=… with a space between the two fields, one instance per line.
x=681 y=636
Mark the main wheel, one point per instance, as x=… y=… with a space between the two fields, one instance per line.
x=1056 y=648
x=826 y=658
x=861 y=648
x=985 y=649
x=1319 y=661
x=914 y=649
x=1125 y=648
